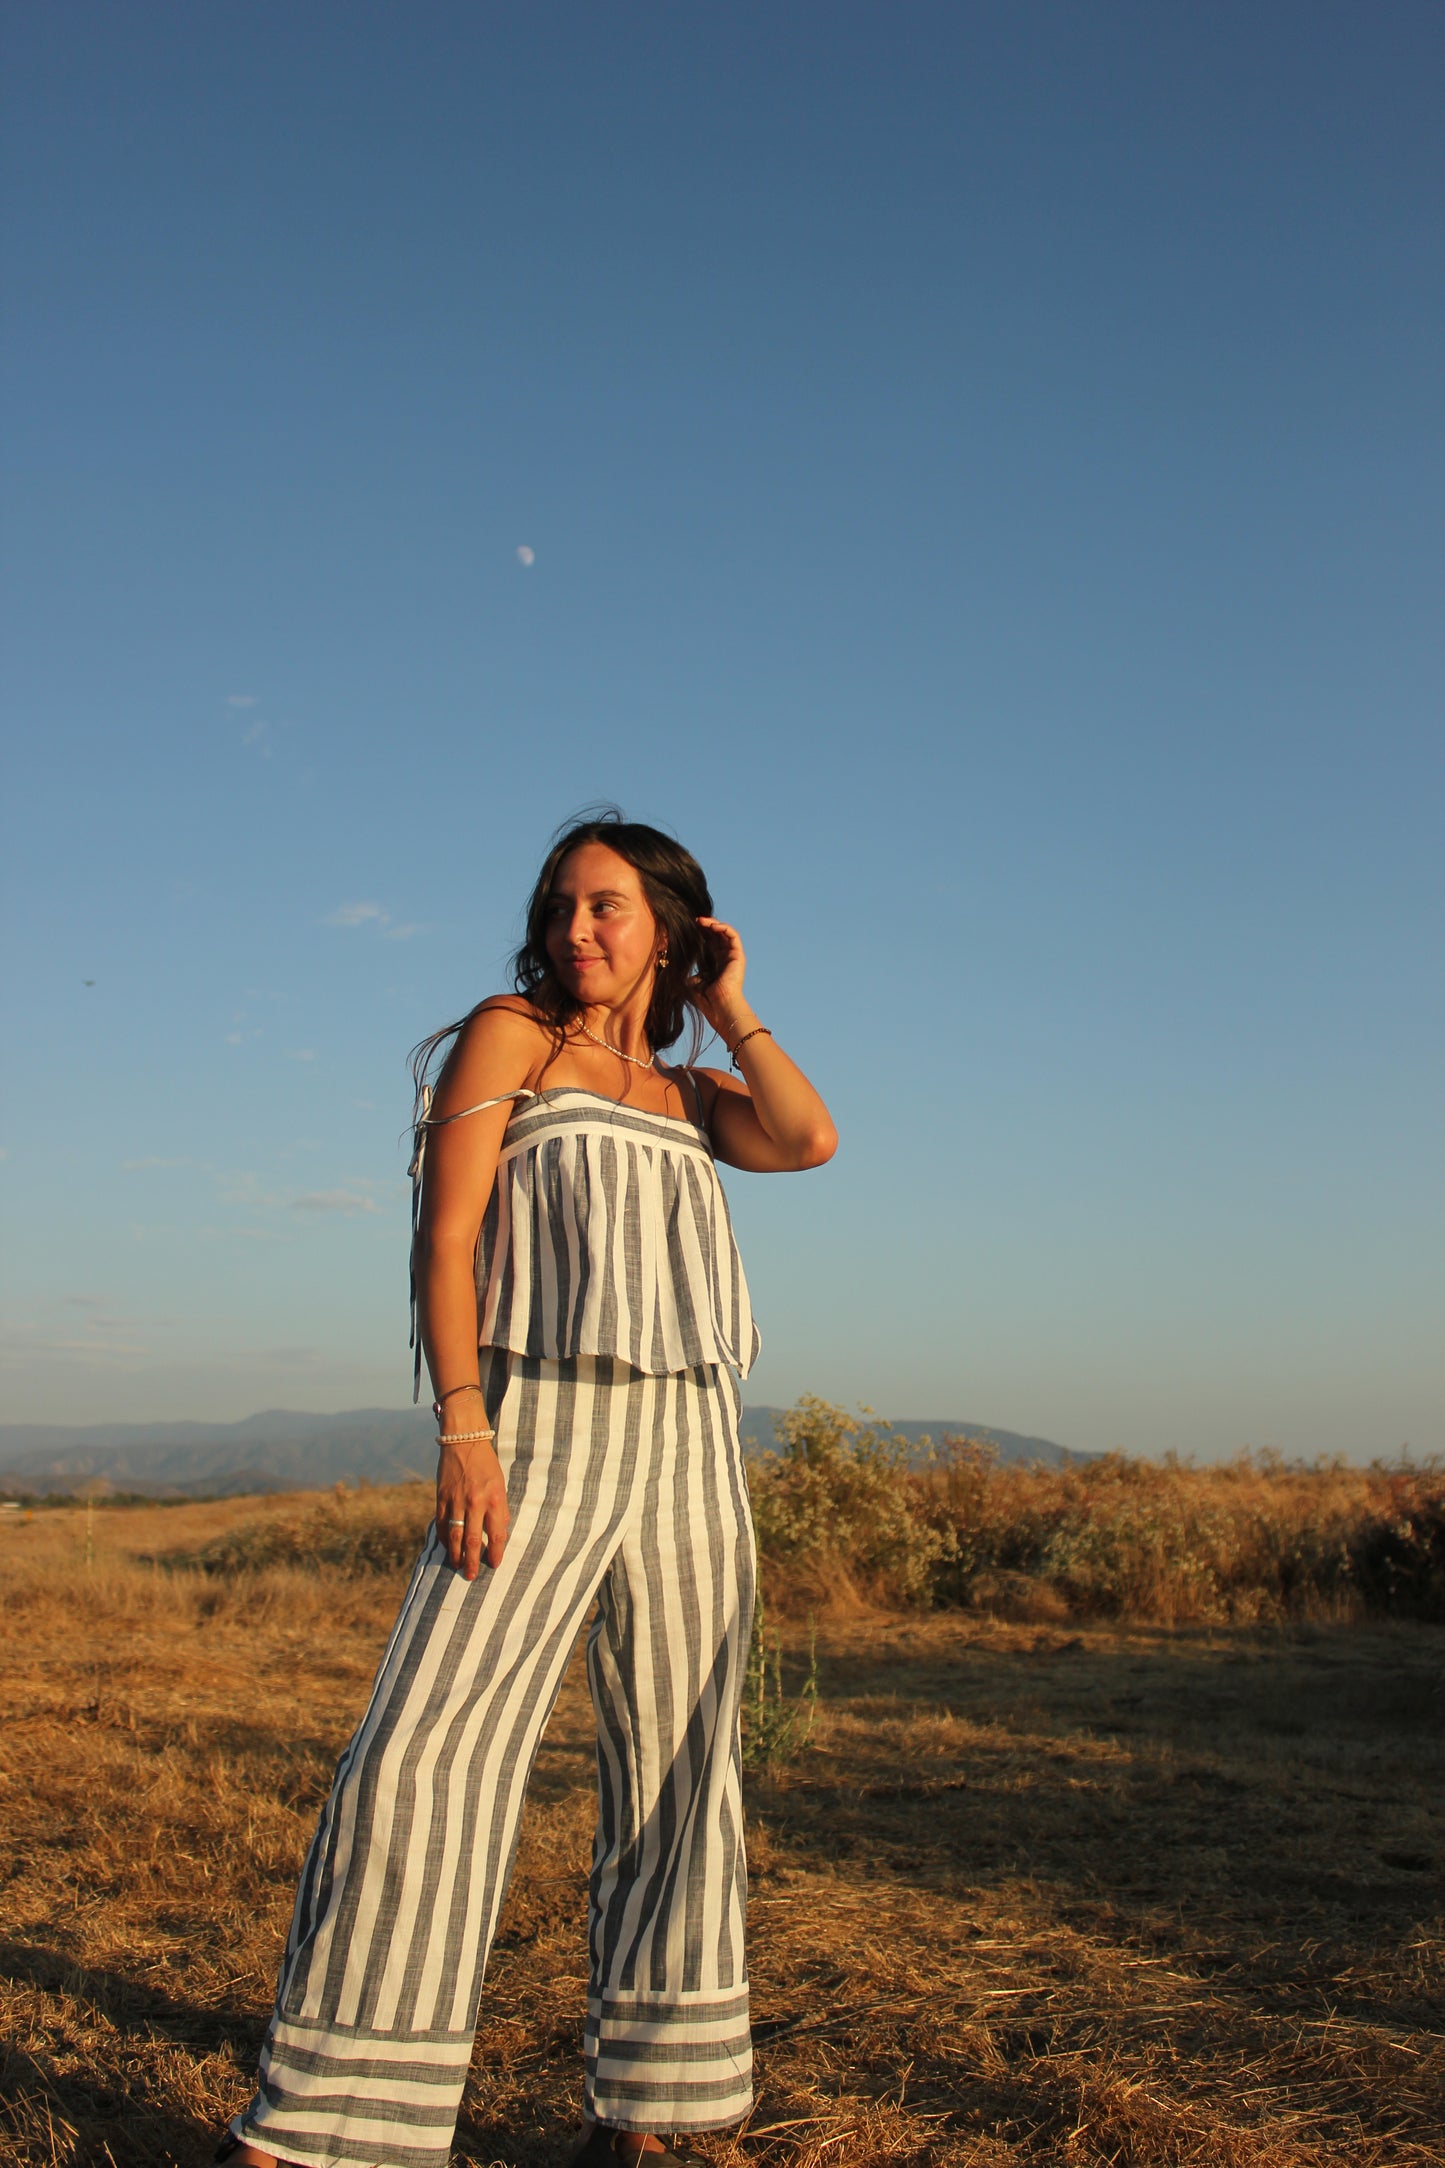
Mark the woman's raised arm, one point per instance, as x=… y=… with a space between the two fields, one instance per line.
x=772 y=1121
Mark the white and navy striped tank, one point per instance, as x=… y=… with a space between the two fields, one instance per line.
x=606 y=1233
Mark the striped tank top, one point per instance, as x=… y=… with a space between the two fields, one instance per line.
x=606 y=1233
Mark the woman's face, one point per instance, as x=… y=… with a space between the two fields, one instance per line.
x=602 y=939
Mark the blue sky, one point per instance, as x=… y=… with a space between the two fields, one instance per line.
x=982 y=466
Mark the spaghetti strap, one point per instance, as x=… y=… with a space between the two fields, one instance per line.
x=427 y=1120
x=691 y=1075
x=422 y=1120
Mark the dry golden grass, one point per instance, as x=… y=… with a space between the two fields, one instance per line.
x=1037 y=1892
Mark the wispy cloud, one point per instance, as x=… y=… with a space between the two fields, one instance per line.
x=93 y=1350
x=375 y=918
x=101 y=1333
x=301 y=1053
x=245 y=1189
x=358 y=914
x=346 y=1201
x=353 y=1196
x=261 y=733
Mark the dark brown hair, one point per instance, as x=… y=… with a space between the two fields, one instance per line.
x=677 y=895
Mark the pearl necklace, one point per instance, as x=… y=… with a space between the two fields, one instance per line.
x=648 y=1064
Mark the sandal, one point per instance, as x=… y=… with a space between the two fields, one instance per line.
x=229 y=2143
x=599 y=2150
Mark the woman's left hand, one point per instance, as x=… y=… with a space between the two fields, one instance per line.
x=768 y=1118
x=724 y=1003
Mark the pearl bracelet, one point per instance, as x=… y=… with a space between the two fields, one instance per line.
x=462 y=1437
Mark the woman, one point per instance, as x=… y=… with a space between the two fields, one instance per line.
x=582 y=1312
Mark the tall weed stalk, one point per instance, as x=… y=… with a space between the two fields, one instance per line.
x=775 y=1728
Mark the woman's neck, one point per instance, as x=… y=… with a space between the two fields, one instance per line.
x=623 y=1029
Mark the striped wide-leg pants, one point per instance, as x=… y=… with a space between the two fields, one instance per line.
x=629 y=1489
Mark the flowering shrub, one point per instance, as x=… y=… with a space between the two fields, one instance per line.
x=836 y=1505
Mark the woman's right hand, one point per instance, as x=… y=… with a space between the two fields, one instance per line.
x=472 y=1511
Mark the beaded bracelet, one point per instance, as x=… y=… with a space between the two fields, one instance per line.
x=757 y=1030
x=462 y=1437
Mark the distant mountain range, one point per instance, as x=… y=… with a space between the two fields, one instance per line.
x=757 y=1425
x=284 y=1450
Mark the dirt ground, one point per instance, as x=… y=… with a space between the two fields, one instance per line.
x=1031 y=1894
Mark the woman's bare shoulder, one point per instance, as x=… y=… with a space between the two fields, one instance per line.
x=496 y=1050
x=709 y=1083
x=512 y=1005
x=503 y=1021
x=714 y=1081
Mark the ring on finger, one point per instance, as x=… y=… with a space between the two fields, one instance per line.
x=456 y=1524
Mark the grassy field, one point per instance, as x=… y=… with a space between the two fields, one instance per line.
x=1066 y=1885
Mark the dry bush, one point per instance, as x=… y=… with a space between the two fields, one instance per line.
x=355 y=1531
x=841 y=1512
x=835 y=1509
